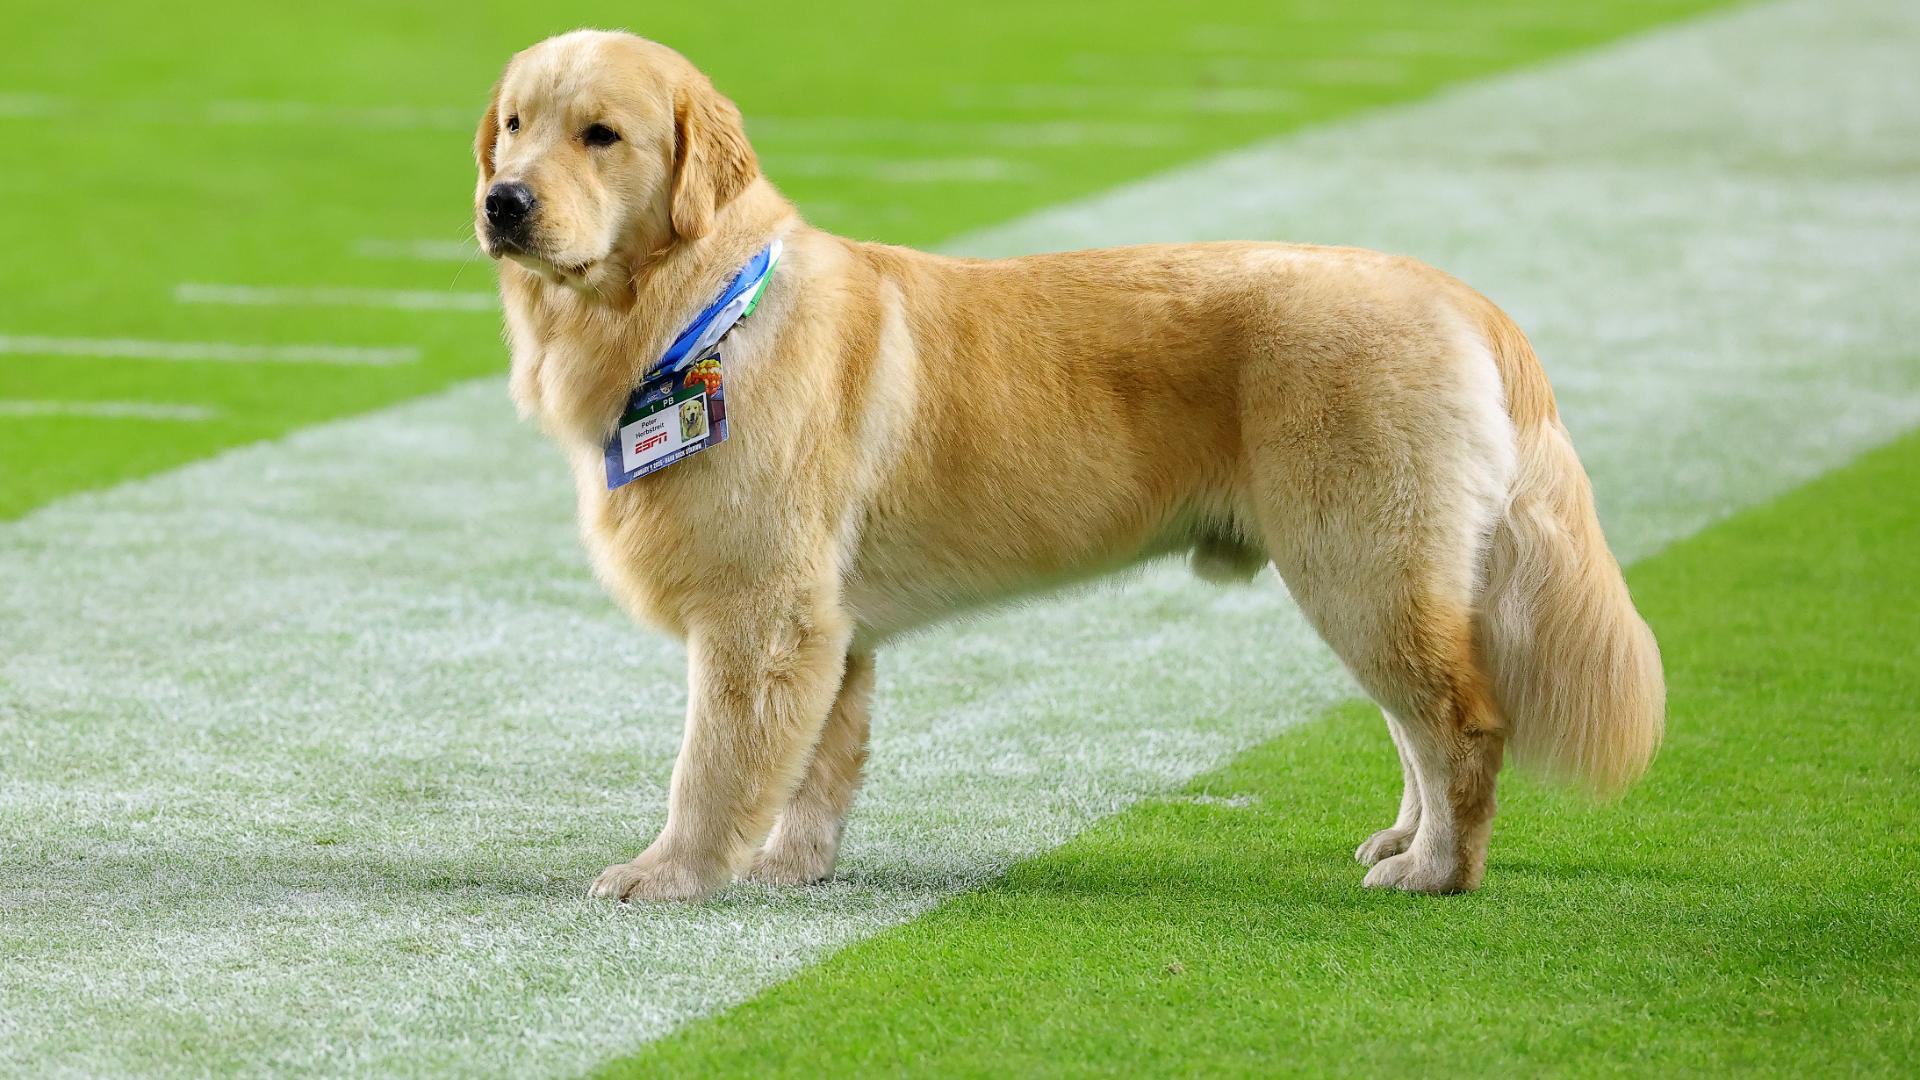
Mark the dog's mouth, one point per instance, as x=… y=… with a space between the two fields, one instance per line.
x=500 y=246
x=557 y=271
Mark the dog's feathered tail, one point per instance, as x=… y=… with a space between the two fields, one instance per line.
x=1575 y=670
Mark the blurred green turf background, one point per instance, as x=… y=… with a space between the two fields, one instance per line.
x=301 y=145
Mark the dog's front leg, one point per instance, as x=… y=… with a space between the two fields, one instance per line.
x=761 y=678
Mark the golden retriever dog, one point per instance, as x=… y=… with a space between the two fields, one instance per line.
x=915 y=435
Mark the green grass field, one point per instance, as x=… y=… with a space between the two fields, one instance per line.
x=313 y=145
x=314 y=725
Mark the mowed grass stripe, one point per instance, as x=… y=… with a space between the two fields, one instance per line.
x=1749 y=910
x=354 y=120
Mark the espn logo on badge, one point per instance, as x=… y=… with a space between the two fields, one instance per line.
x=647 y=440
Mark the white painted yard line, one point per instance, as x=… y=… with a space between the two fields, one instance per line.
x=1242 y=74
x=820 y=131
x=772 y=129
x=335 y=296
x=247 y=113
x=218 y=352
x=25 y=105
x=1135 y=99
x=960 y=170
x=325 y=735
x=455 y=251
x=107 y=410
x=312 y=114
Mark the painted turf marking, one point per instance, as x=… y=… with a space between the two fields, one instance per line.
x=813 y=131
x=106 y=410
x=1174 y=100
x=457 y=251
x=967 y=170
x=218 y=352
x=28 y=105
x=247 y=113
x=335 y=296
x=768 y=130
x=336 y=713
x=383 y=117
x=1250 y=67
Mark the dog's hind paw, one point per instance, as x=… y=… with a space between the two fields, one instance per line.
x=1409 y=873
x=1384 y=844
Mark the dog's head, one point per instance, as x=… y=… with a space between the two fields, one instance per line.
x=599 y=148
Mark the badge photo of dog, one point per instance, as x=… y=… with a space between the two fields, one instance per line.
x=693 y=419
x=913 y=436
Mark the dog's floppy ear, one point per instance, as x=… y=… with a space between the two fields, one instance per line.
x=488 y=133
x=712 y=160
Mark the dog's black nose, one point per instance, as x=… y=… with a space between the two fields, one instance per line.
x=509 y=206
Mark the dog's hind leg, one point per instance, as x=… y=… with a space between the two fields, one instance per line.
x=1394 y=839
x=1408 y=639
x=805 y=840
x=1396 y=604
x=1378 y=483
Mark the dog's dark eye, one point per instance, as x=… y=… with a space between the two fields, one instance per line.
x=600 y=135
x=513 y=123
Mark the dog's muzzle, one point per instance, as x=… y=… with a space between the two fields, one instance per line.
x=509 y=208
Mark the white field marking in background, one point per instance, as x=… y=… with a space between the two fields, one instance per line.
x=218 y=352
x=335 y=296
x=313 y=746
x=307 y=114
x=967 y=170
x=17 y=105
x=1020 y=134
x=419 y=250
x=768 y=129
x=247 y=113
x=1249 y=68
x=1178 y=100
x=107 y=410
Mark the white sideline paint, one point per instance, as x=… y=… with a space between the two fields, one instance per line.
x=218 y=352
x=107 y=410
x=312 y=747
x=333 y=296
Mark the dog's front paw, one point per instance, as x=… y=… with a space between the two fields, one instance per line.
x=1384 y=844
x=652 y=877
x=793 y=860
x=1409 y=872
x=800 y=850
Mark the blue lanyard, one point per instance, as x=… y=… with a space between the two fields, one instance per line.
x=719 y=317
